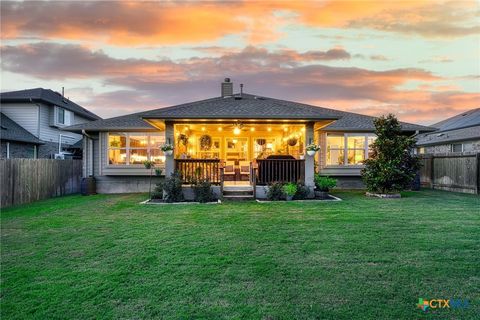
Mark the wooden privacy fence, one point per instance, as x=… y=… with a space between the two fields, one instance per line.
x=459 y=172
x=28 y=180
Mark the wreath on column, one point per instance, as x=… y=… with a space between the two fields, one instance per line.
x=205 y=142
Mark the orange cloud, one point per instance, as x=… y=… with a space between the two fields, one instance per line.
x=134 y=23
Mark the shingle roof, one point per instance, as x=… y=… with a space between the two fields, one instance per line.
x=247 y=107
x=464 y=126
x=465 y=119
x=12 y=131
x=129 y=122
x=48 y=96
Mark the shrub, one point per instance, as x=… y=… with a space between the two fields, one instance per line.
x=172 y=187
x=392 y=166
x=302 y=192
x=290 y=189
x=275 y=191
x=203 y=191
x=157 y=192
x=324 y=183
x=158 y=172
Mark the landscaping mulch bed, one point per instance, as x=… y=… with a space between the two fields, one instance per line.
x=329 y=198
x=160 y=201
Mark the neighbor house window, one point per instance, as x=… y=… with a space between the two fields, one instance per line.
x=457 y=147
x=348 y=148
x=135 y=148
x=60 y=116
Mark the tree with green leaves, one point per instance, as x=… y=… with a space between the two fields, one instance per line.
x=392 y=166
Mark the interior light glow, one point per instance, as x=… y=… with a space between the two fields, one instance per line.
x=252 y=129
x=236 y=131
x=269 y=129
x=219 y=128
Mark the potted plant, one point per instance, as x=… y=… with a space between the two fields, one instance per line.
x=290 y=189
x=323 y=186
x=167 y=149
x=312 y=149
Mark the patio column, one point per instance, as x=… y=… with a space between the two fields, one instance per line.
x=169 y=138
x=309 y=161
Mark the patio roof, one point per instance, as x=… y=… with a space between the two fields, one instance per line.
x=241 y=107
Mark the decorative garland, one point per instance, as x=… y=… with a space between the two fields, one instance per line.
x=205 y=142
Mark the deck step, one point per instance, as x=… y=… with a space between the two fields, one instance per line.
x=238 y=197
x=238 y=193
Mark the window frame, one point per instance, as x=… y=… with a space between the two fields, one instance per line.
x=127 y=148
x=346 y=149
x=452 y=145
x=57 y=116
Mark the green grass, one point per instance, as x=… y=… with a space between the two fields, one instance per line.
x=109 y=257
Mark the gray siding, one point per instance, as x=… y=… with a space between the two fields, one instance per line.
x=51 y=134
x=25 y=114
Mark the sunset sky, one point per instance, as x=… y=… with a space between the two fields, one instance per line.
x=417 y=59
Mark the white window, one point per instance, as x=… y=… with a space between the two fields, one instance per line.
x=60 y=116
x=457 y=147
x=135 y=148
x=63 y=117
x=348 y=148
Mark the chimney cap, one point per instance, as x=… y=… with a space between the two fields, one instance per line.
x=227 y=79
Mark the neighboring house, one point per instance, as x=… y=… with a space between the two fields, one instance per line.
x=43 y=113
x=16 y=142
x=460 y=133
x=234 y=129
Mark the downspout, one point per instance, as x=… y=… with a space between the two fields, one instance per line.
x=91 y=153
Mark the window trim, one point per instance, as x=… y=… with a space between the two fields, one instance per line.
x=346 y=149
x=57 y=116
x=453 y=144
x=127 y=148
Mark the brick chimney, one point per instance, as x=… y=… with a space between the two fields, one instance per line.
x=227 y=88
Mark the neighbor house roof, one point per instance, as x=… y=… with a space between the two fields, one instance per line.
x=464 y=126
x=246 y=106
x=12 y=131
x=47 y=96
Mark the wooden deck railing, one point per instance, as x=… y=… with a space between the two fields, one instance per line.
x=191 y=169
x=279 y=170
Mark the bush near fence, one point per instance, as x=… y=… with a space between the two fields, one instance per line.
x=27 y=180
x=459 y=172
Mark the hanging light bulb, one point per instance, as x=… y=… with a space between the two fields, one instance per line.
x=236 y=131
x=252 y=129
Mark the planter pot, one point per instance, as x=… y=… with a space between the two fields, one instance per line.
x=321 y=194
x=168 y=152
x=311 y=152
x=289 y=198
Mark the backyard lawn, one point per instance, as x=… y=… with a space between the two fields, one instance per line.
x=107 y=256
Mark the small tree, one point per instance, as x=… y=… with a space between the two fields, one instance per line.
x=392 y=166
x=149 y=165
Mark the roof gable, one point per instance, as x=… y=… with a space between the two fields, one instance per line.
x=246 y=106
x=463 y=120
x=47 y=96
x=12 y=131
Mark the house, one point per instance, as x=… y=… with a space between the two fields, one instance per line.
x=460 y=133
x=42 y=113
x=16 y=142
x=231 y=139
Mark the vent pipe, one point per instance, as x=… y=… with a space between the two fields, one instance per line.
x=241 y=89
